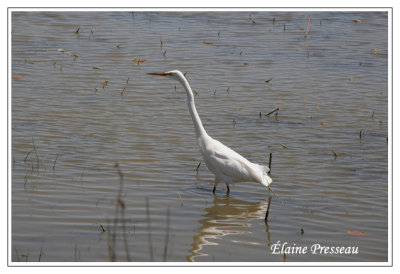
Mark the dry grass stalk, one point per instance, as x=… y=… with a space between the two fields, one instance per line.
x=308 y=26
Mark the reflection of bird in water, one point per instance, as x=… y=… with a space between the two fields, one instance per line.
x=225 y=217
x=227 y=165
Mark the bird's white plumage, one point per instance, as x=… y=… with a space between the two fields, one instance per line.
x=227 y=165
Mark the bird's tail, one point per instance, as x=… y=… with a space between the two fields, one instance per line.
x=266 y=180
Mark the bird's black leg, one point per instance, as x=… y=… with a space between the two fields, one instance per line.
x=227 y=189
x=215 y=184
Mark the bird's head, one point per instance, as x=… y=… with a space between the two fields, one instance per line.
x=174 y=74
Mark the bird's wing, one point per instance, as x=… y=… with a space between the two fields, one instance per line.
x=231 y=164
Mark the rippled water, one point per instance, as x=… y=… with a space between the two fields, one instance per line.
x=70 y=127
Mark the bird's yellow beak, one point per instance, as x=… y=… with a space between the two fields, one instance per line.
x=158 y=73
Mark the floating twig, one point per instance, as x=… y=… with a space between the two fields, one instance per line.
x=253 y=21
x=102 y=229
x=67 y=53
x=272 y=112
x=55 y=161
x=105 y=83
x=283 y=146
x=138 y=61
x=126 y=86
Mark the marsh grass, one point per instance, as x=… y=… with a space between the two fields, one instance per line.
x=149 y=230
x=166 y=237
x=268 y=208
x=197 y=168
x=119 y=210
x=37 y=157
x=308 y=26
x=270 y=162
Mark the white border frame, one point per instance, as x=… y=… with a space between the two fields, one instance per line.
x=236 y=264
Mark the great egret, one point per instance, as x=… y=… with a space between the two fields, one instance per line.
x=227 y=165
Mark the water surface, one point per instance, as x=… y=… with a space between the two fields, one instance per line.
x=70 y=127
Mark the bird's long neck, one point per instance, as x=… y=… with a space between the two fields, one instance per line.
x=198 y=126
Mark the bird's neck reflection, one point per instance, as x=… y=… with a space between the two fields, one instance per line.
x=226 y=216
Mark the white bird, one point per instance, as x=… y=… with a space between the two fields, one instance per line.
x=227 y=165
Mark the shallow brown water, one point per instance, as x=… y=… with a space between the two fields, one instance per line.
x=68 y=132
